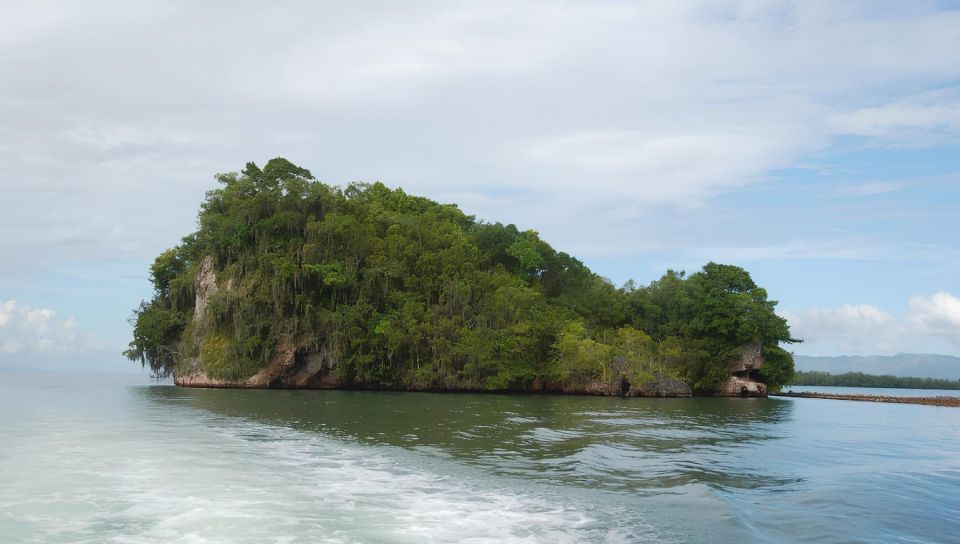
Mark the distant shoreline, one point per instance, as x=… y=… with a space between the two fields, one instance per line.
x=929 y=401
x=860 y=379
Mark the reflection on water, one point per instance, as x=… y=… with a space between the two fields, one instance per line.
x=611 y=443
x=98 y=460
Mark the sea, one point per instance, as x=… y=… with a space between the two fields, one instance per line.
x=115 y=458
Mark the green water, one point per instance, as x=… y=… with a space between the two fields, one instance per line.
x=107 y=459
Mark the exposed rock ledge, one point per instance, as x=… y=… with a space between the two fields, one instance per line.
x=277 y=378
x=742 y=383
x=288 y=369
x=738 y=386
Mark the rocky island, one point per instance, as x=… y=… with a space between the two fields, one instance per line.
x=291 y=283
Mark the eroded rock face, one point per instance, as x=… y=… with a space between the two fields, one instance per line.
x=288 y=368
x=205 y=286
x=743 y=382
x=315 y=370
x=737 y=386
x=751 y=358
x=291 y=368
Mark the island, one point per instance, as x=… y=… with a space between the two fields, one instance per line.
x=292 y=283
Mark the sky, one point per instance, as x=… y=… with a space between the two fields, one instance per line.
x=813 y=143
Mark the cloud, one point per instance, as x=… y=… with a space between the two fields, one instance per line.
x=938 y=314
x=841 y=246
x=868 y=188
x=611 y=106
x=931 y=324
x=655 y=166
x=38 y=330
x=846 y=249
x=848 y=329
x=928 y=118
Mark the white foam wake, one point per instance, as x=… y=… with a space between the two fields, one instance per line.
x=220 y=479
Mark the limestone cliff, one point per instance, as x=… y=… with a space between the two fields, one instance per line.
x=743 y=382
x=288 y=368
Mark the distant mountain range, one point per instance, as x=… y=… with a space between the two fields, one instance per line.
x=905 y=364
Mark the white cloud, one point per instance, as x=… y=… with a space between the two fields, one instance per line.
x=931 y=324
x=938 y=314
x=860 y=316
x=644 y=104
x=25 y=328
x=841 y=246
x=24 y=22
x=869 y=188
x=847 y=248
x=848 y=329
x=661 y=166
x=104 y=138
x=914 y=120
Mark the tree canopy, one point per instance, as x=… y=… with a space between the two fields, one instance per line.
x=406 y=291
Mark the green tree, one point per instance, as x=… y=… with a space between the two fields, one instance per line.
x=401 y=291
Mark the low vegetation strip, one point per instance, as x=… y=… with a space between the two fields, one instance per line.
x=931 y=401
x=859 y=379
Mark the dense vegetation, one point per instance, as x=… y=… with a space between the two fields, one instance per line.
x=408 y=292
x=859 y=379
